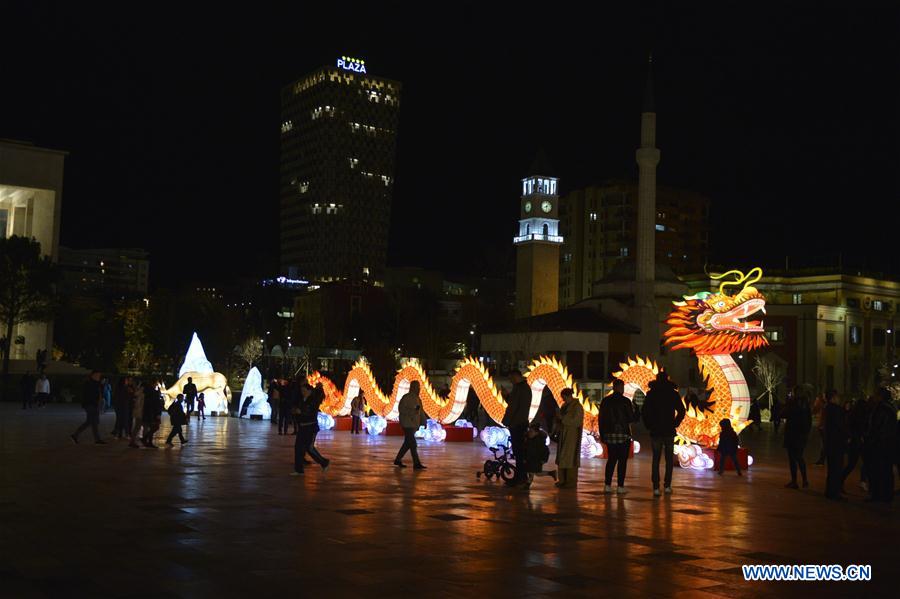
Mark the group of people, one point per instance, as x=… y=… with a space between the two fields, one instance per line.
x=35 y=390
x=138 y=407
x=865 y=430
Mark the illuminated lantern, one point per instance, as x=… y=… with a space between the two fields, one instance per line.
x=495 y=436
x=326 y=422
x=713 y=326
x=213 y=385
x=375 y=424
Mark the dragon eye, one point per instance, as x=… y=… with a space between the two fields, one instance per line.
x=720 y=304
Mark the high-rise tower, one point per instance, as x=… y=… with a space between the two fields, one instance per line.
x=537 y=246
x=338 y=144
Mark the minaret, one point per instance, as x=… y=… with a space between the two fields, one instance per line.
x=647 y=157
x=538 y=242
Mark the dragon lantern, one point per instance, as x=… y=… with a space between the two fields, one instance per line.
x=713 y=325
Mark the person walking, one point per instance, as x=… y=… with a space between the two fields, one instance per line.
x=775 y=413
x=42 y=390
x=881 y=440
x=137 y=412
x=836 y=435
x=569 y=423
x=357 y=411
x=26 y=384
x=662 y=412
x=857 y=418
x=818 y=412
x=515 y=418
x=190 y=396
x=798 y=415
x=107 y=394
x=91 y=400
x=410 y=408
x=308 y=427
x=285 y=409
x=616 y=416
x=153 y=409
x=120 y=401
x=755 y=415
x=275 y=402
x=177 y=418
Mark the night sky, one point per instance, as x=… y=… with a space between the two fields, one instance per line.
x=787 y=117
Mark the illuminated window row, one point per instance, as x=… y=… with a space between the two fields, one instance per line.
x=326 y=208
x=287 y=126
x=322 y=110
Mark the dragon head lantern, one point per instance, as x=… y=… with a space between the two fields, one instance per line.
x=718 y=323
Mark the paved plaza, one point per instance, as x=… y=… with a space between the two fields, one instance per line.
x=221 y=517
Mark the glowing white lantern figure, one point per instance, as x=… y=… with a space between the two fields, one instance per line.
x=637 y=446
x=195 y=359
x=494 y=436
x=326 y=422
x=253 y=388
x=375 y=424
x=590 y=448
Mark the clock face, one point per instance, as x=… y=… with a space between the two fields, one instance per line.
x=546 y=206
x=527 y=206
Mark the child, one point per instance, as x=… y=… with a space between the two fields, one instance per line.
x=201 y=406
x=536 y=453
x=728 y=446
x=177 y=418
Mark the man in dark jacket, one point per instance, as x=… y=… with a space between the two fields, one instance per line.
x=190 y=396
x=616 y=416
x=308 y=428
x=153 y=409
x=663 y=411
x=835 y=445
x=518 y=406
x=881 y=447
x=91 y=396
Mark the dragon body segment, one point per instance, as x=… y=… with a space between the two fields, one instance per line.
x=471 y=374
x=713 y=326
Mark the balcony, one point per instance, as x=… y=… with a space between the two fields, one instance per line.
x=538 y=237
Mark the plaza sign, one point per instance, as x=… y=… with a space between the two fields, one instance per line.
x=348 y=63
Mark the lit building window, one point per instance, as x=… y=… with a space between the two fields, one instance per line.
x=855 y=335
x=304 y=186
x=797 y=298
x=316 y=209
x=365 y=270
x=830 y=339
x=353 y=162
x=878 y=305
x=623 y=252
x=660 y=227
x=287 y=126
x=593 y=216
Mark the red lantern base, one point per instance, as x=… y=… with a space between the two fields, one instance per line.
x=342 y=423
x=741 y=455
x=393 y=429
x=458 y=434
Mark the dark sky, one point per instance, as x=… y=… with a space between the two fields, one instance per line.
x=788 y=117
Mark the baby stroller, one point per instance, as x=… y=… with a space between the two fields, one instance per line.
x=499 y=467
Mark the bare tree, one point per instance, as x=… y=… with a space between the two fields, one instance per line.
x=770 y=372
x=250 y=351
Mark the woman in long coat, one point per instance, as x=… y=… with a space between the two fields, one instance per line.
x=569 y=422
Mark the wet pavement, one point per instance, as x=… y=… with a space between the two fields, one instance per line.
x=222 y=517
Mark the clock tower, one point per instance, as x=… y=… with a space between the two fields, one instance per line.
x=537 y=247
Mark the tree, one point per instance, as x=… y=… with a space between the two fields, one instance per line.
x=250 y=351
x=26 y=289
x=137 y=351
x=770 y=372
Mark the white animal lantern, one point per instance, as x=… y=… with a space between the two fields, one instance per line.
x=211 y=384
x=259 y=406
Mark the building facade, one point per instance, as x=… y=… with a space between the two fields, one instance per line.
x=832 y=330
x=123 y=272
x=31 y=183
x=537 y=247
x=599 y=228
x=338 y=146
